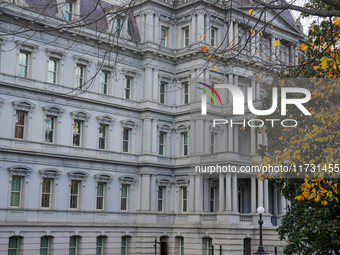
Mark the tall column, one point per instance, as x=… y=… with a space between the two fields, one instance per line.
x=147 y=126
x=231 y=33
x=253 y=194
x=200 y=25
x=207 y=28
x=199 y=134
x=148 y=83
x=230 y=138
x=257 y=90
x=228 y=193
x=253 y=144
x=154 y=138
x=149 y=26
x=229 y=96
x=266 y=193
x=260 y=192
x=146 y=192
x=235 y=193
x=198 y=193
x=191 y=194
x=154 y=194
x=253 y=90
x=155 y=90
x=221 y=193
x=157 y=29
x=235 y=33
x=193 y=35
x=235 y=138
x=259 y=139
x=275 y=204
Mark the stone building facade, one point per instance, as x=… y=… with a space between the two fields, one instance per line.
x=101 y=123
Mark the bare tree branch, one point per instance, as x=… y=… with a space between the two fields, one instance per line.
x=302 y=9
x=334 y=3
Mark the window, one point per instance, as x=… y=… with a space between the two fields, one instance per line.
x=104 y=83
x=161 y=143
x=186 y=93
x=46 y=193
x=123 y=249
x=13 y=246
x=23 y=64
x=186 y=37
x=77 y=133
x=213 y=37
x=212 y=144
x=181 y=245
x=100 y=196
x=164 y=35
x=69 y=11
x=160 y=198
x=246 y=246
x=210 y=246
x=16 y=191
x=52 y=71
x=127 y=91
x=20 y=122
x=118 y=22
x=99 y=245
x=74 y=196
x=124 y=198
x=185 y=144
x=184 y=200
x=73 y=249
x=102 y=136
x=49 y=129
x=44 y=245
x=162 y=93
x=212 y=199
x=126 y=139
x=79 y=77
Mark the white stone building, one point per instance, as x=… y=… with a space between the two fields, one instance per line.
x=107 y=171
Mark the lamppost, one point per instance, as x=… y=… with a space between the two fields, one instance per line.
x=260 y=250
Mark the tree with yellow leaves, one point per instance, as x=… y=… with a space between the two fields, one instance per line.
x=312 y=222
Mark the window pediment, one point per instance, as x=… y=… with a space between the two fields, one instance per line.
x=183 y=128
x=80 y=60
x=28 y=47
x=19 y=171
x=106 y=178
x=52 y=53
x=182 y=182
x=163 y=182
x=23 y=105
x=127 y=180
x=130 y=124
x=216 y=130
x=164 y=128
x=105 y=120
x=78 y=176
x=80 y=115
x=50 y=173
x=53 y=110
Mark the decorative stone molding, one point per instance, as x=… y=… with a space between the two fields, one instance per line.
x=216 y=130
x=163 y=128
x=80 y=115
x=56 y=54
x=106 y=178
x=163 y=182
x=53 y=110
x=27 y=47
x=77 y=176
x=130 y=72
x=127 y=180
x=81 y=61
x=3 y=41
x=50 y=173
x=105 y=67
x=23 y=171
x=1 y=102
x=23 y=105
x=182 y=129
x=182 y=182
x=105 y=120
x=130 y=124
x=164 y=78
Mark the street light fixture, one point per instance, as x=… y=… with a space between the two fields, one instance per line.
x=260 y=250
